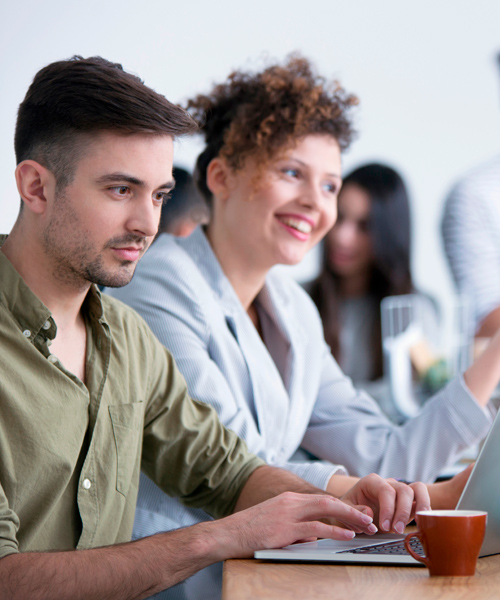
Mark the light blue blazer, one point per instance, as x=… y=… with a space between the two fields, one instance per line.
x=286 y=392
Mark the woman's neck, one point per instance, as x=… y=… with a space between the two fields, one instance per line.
x=244 y=275
x=354 y=286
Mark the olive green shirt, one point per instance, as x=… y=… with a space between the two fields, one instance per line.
x=70 y=453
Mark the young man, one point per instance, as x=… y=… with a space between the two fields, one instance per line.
x=89 y=396
x=470 y=227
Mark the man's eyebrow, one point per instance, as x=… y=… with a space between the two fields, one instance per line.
x=124 y=178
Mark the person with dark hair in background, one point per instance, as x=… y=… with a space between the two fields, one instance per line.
x=185 y=209
x=366 y=257
x=88 y=394
x=248 y=339
x=470 y=229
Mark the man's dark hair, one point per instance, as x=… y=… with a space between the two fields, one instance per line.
x=72 y=98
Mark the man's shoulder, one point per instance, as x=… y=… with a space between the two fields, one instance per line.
x=121 y=318
x=484 y=176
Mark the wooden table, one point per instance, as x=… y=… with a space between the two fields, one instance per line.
x=257 y=579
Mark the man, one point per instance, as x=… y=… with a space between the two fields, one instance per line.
x=185 y=209
x=471 y=234
x=89 y=396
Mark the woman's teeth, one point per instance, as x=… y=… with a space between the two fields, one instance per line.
x=298 y=224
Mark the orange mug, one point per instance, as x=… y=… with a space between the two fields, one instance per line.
x=451 y=540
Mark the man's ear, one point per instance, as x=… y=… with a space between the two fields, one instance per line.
x=219 y=178
x=35 y=184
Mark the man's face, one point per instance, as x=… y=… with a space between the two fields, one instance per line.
x=100 y=225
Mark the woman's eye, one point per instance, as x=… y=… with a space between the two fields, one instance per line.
x=331 y=188
x=291 y=172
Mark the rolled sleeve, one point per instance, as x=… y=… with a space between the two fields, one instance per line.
x=9 y=525
x=316 y=472
x=470 y=419
x=187 y=452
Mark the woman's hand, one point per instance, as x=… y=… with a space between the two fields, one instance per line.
x=446 y=494
x=391 y=503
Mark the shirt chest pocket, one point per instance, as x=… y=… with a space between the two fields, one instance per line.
x=127 y=423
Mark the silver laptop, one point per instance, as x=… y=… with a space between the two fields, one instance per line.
x=482 y=492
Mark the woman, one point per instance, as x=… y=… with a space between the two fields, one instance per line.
x=248 y=339
x=366 y=258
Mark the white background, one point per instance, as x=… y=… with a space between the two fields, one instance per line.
x=425 y=73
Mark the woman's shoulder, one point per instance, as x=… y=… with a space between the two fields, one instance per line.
x=292 y=292
x=174 y=261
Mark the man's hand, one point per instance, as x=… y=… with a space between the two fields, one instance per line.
x=285 y=519
x=391 y=503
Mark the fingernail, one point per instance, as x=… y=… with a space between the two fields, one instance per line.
x=351 y=534
x=386 y=525
x=399 y=527
x=372 y=529
x=366 y=519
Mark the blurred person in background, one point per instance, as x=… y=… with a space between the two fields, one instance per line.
x=366 y=257
x=471 y=235
x=185 y=209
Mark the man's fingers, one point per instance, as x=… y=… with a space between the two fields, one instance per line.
x=324 y=530
x=316 y=506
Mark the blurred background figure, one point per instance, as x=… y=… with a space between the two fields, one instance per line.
x=471 y=235
x=185 y=209
x=366 y=258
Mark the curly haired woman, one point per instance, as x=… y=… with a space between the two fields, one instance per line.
x=247 y=338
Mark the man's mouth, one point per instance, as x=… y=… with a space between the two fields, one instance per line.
x=129 y=253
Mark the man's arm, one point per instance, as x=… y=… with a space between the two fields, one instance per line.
x=139 y=569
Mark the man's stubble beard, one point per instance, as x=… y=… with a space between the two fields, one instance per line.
x=76 y=261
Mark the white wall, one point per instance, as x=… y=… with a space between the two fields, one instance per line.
x=424 y=71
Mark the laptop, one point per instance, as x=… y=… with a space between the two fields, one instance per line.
x=482 y=492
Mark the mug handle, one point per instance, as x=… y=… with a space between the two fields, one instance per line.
x=412 y=552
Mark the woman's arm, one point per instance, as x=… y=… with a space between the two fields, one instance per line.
x=349 y=425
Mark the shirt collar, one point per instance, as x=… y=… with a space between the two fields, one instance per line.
x=28 y=310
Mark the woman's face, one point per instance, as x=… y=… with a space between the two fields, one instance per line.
x=289 y=210
x=349 y=243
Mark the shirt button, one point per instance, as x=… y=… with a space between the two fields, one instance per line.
x=87 y=484
x=52 y=358
x=27 y=333
x=46 y=325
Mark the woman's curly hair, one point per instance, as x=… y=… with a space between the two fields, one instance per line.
x=263 y=114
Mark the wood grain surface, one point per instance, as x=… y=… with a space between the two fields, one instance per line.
x=256 y=579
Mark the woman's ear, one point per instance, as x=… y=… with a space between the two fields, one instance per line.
x=34 y=184
x=218 y=178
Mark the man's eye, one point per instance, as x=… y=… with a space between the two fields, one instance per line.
x=163 y=197
x=121 y=190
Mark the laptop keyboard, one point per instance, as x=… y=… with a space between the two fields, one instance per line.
x=389 y=548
